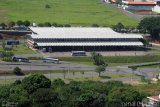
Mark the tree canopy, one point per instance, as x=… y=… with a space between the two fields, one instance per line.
x=98 y=59
x=152 y=25
x=33 y=82
x=35 y=91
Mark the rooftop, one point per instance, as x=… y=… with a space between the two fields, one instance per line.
x=142 y=3
x=155 y=98
x=78 y=32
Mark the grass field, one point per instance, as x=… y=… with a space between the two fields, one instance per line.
x=20 y=49
x=74 y=12
x=114 y=60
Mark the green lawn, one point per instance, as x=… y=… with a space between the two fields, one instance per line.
x=8 y=73
x=20 y=49
x=75 y=12
x=115 y=60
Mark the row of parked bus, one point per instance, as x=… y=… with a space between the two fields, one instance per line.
x=45 y=59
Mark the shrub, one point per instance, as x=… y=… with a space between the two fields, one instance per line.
x=7 y=59
x=47 y=6
x=3 y=25
x=59 y=25
x=26 y=23
x=11 y=24
x=40 y=24
x=47 y=24
x=6 y=54
x=19 y=23
x=18 y=71
x=54 y=24
x=67 y=25
x=95 y=25
x=17 y=82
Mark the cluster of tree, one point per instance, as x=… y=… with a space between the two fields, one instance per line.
x=6 y=54
x=99 y=61
x=38 y=91
x=119 y=27
x=48 y=24
x=47 y=6
x=151 y=25
x=12 y=23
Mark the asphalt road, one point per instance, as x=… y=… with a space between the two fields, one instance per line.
x=38 y=65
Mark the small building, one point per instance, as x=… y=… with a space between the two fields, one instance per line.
x=137 y=5
x=153 y=101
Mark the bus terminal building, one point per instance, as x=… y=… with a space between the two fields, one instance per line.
x=82 y=39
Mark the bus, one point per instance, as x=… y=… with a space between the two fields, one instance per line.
x=50 y=60
x=20 y=59
x=78 y=53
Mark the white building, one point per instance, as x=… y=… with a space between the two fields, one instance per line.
x=137 y=5
x=157 y=7
x=81 y=38
x=153 y=101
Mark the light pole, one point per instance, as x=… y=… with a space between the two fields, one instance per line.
x=68 y=68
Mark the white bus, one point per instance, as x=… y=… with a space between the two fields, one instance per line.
x=78 y=53
x=50 y=60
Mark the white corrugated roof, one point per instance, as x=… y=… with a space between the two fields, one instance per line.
x=78 y=32
x=93 y=44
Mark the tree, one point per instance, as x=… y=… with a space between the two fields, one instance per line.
x=17 y=71
x=44 y=97
x=47 y=6
x=152 y=25
x=26 y=23
x=19 y=96
x=11 y=24
x=91 y=100
x=47 y=24
x=67 y=25
x=34 y=82
x=98 y=59
x=3 y=25
x=95 y=25
x=54 y=24
x=58 y=82
x=119 y=26
x=19 y=23
x=99 y=69
x=40 y=24
x=125 y=96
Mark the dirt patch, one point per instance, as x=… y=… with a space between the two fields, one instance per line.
x=146 y=13
x=152 y=88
